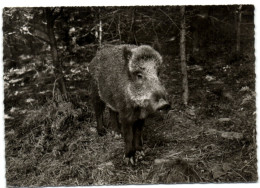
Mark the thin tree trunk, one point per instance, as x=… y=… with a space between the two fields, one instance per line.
x=183 y=57
x=238 y=29
x=119 y=28
x=132 y=37
x=100 y=33
x=100 y=30
x=54 y=52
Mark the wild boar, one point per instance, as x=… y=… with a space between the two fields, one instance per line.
x=125 y=79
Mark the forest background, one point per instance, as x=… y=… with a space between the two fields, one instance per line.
x=212 y=54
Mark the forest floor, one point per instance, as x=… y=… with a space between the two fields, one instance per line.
x=53 y=142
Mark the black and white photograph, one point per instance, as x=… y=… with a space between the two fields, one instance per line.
x=129 y=95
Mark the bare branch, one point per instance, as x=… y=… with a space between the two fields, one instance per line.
x=40 y=38
x=55 y=16
x=52 y=11
x=170 y=19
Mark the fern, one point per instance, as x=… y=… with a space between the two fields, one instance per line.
x=51 y=124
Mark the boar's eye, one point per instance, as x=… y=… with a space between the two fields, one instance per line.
x=139 y=76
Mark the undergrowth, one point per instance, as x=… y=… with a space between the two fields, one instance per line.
x=212 y=140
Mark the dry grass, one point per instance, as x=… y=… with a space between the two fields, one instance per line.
x=181 y=153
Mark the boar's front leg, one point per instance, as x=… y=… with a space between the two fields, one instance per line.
x=127 y=130
x=114 y=123
x=138 y=139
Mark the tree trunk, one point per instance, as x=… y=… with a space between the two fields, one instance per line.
x=54 y=52
x=183 y=57
x=132 y=37
x=119 y=28
x=238 y=28
x=100 y=30
x=100 y=33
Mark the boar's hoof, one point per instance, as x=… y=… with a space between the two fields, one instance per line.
x=139 y=155
x=102 y=132
x=130 y=160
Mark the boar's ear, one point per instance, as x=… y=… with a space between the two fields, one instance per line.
x=127 y=54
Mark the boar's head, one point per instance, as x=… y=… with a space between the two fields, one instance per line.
x=144 y=87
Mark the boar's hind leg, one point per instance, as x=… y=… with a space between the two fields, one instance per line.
x=99 y=107
x=114 y=122
x=138 y=139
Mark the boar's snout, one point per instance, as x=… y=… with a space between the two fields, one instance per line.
x=163 y=105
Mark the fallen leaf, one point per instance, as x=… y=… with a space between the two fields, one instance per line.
x=246 y=99
x=226 y=167
x=160 y=161
x=211 y=146
x=224 y=119
x=210 y=78
x=15 y=80
x=218 y=82
x=145 y=162
x=212 y=131
x=8 y=117
x=195 y=67
x=246 y=88
x=106 y=165
x=29 y=100
x=13 y=109
x=232 y=135
x=93 y=129
x=217 y=172
x=191 y=112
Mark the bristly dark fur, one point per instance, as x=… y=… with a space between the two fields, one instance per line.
x=115 y=84
x=145 y=53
